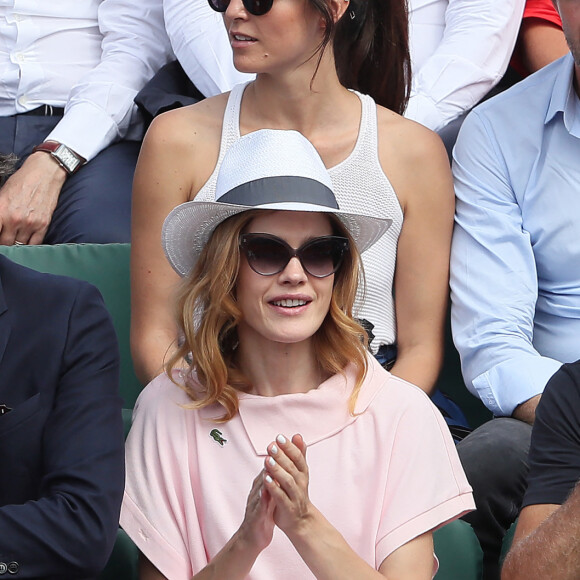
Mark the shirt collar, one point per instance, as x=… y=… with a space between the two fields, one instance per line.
x=316 y=415
x=564 y=98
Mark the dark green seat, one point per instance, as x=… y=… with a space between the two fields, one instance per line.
x=459 y=553
x=107 y=267
x=124 y=561
x=507 y=542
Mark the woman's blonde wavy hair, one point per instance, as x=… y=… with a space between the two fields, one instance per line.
x=208 y=316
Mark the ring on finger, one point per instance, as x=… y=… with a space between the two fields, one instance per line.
x=17 y=243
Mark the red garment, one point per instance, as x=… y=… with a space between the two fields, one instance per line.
x=542 y=10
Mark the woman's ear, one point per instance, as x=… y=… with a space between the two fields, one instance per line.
x=338 y=8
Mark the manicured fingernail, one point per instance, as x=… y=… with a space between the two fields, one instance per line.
x=281 y=439
x=260 y=493
x=271 y=461
x=268 y=479
x=273 y=450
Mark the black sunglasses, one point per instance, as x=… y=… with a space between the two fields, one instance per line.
x=255 y=7
x=268 y=255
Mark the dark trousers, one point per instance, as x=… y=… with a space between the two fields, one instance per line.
x=495 y=460
x=95 y=203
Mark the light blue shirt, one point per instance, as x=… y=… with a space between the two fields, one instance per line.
x=515 y=260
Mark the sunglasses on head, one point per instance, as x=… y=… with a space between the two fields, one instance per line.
x=255 y=7
x=268 y=255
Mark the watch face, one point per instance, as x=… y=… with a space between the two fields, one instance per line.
x=67 y=158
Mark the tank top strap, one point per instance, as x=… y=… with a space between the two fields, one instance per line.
x=368 y=132
x=230 y=134
x=231 y=122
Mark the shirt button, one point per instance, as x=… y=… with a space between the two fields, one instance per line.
x=3 y=568
x=22 y=100
x=13 y=567
x=20 y=57
x=18 y=17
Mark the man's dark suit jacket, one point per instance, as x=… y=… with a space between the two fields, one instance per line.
x=61 y=445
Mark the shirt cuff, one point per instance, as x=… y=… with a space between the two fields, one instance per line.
x=167 y=558
x=423 y=110
x=508 y=384
x=86 y=129
x=431 y=520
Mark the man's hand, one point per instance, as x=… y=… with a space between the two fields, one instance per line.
x=526 y=411
x=28 y=199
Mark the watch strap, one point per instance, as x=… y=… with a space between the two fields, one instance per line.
x=70 y=161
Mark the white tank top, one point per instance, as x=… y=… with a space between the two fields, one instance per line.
x=360 y=186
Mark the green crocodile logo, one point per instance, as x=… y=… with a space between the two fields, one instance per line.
x=216 y=435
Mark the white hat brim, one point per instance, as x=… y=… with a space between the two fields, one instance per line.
x=189 y=226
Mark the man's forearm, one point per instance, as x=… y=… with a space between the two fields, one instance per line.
x=526 y=411
x=552 y=550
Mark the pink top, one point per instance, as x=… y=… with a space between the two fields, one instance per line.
x=381 y=477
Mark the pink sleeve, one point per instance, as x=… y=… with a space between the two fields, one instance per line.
x=158 y=510
x=426 y=486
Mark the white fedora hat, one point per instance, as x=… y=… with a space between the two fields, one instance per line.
x=267 y=169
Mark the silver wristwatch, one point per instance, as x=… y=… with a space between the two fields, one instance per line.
x=70 y=161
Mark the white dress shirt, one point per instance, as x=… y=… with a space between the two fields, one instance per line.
x=201 y=44
x=515 y=257
x=89 y=56
x=460 y=49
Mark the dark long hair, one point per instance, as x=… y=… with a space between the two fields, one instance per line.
x=371 y=49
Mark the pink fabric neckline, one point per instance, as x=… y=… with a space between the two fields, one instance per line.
x=265 y=417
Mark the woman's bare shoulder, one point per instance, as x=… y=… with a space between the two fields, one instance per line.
x=413 y=156
x=190 y=125
x=186 y=142
x=413 y=140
